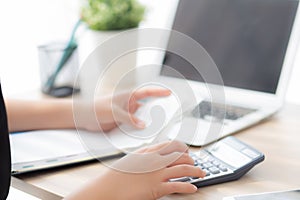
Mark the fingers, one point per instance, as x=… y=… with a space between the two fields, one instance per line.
x=150 y=149
x=173 y=146
x=128 y=118
x=154 y=148
x=179 y=187
x=134 y=107
x=184 y=158
x=175 y=187
x=183 y=170
x=107 y=126
x=165 y=148
x=149 y=92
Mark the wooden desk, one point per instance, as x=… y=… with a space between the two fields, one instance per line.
x=278 y=138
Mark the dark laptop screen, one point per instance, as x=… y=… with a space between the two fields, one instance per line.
x=247 y=39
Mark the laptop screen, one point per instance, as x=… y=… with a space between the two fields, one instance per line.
x=247 y=39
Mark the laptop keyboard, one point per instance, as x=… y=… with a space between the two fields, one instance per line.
x=207 y=110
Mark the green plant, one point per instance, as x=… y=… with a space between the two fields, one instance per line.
x=112 y=14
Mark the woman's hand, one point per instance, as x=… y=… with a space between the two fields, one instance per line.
x=145 y=175
x=107 y=112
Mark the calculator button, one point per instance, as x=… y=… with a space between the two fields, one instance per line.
x=216 y=163
x=209 y=159
x=183 y=179
x=207 y=165
x=223 y=168
x=192 y=154
x=207 y=173
x=199 y=161
x=214 y=170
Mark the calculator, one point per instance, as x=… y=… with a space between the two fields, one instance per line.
x=225 y=160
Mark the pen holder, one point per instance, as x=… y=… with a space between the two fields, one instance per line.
x=56 y=80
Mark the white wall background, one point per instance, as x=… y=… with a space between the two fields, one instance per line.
x=26 y=24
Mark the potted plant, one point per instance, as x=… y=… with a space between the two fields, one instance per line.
x=104 y=19
x=112 y=14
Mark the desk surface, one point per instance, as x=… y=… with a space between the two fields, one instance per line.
x=278 y=138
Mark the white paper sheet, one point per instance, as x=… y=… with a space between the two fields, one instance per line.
x=156 y=114
x=279 y=195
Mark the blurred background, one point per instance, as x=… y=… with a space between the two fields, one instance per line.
x=27 y=24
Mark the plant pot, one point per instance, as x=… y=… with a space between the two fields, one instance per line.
x=101 y=69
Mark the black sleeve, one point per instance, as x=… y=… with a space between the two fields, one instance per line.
x=5 y=162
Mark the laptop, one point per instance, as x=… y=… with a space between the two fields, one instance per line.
x=253 y=44
x=46 y=149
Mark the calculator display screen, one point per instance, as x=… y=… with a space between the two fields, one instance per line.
x=229 y=155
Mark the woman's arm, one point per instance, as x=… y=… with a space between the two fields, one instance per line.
x=58 y=113
x=46 y=114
